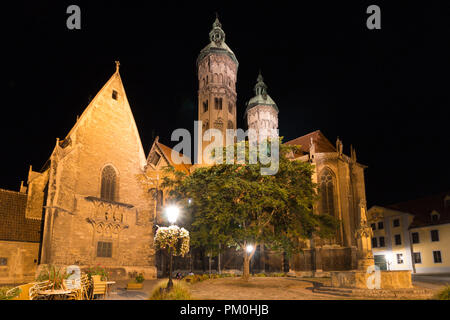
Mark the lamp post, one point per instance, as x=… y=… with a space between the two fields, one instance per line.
x=172 y=213
x=249 y=250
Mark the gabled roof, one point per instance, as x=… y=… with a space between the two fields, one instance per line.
x=321 y=142
x=423 y=207
x=167 y=154
x=14 y=226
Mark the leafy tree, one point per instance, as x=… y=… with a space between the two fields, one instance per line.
x=234 y=205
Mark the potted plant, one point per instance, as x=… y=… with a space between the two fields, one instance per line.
x=98 y=270
x=137 y=283
x=55 y=275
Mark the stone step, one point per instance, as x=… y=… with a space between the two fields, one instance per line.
x=382 y=293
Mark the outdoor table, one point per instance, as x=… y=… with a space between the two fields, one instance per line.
x=108 y=284
x=53 y=293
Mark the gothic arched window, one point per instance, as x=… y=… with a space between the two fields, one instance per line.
x=327 y=193
x=109 y=184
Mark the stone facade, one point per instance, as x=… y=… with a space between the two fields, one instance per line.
x=342 y=194
x=96 y=211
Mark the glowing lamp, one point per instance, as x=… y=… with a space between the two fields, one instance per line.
x=172 y=213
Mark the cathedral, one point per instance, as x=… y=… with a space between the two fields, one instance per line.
x=87 y=206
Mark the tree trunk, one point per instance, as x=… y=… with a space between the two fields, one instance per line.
x=218 y=262
x=209 y=261
x=246 y=273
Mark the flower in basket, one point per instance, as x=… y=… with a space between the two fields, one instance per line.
x=173 y=238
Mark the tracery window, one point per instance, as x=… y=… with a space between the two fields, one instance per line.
x=109 y=184
x=327 y=193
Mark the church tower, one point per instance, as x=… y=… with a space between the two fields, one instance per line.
x=217 y=71
x=262 y=113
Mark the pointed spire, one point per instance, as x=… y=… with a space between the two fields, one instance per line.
x=217 y=23
x=117 y=66
x=217 y=35
x=260 y=87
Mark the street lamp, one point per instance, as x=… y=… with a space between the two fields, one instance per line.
x=172 y=213
x=249 y=250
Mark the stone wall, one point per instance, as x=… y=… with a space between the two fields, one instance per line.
x=359 y=279
x=21 y=261
x=77 y=218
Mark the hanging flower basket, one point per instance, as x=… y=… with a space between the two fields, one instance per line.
x=174 y=238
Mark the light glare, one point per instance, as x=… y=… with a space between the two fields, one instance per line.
x=172 y=213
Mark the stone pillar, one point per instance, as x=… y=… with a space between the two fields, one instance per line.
x=363 y=239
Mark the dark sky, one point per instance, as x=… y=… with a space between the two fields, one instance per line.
x=385 y=91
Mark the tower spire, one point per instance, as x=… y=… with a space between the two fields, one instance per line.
x=217 y=35
x=260 y=87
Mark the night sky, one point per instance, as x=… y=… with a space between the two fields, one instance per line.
x=386 y=92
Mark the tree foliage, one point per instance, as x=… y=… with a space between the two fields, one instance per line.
x=234 y=205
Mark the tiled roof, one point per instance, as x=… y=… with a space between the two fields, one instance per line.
x=423 y=207
x=14 y=226
x=168 y=154
x=321 y=142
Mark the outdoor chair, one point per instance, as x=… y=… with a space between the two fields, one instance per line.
x=75 y=286
x=86 y=286
x=99 y=287
x=33 y=292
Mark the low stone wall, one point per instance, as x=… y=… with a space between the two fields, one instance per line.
x=359 y=279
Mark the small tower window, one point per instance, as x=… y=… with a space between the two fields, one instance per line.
x=205 y=106
x=230 y=124
x=218 y=103
x=115 y=94
x=230 y=107
x=205 y=125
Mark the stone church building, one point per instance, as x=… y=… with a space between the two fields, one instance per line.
x=87 y=206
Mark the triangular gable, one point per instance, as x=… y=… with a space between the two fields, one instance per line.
x=116 y=83
x=166 y=153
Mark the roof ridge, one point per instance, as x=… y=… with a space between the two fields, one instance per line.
x=12 y=191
